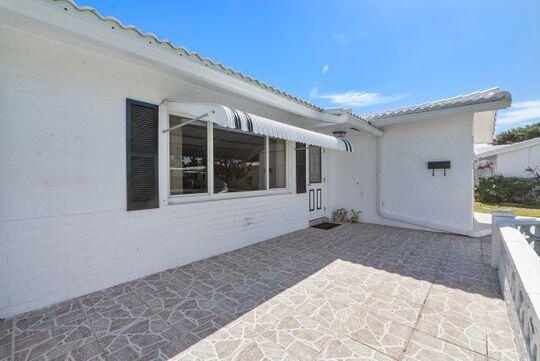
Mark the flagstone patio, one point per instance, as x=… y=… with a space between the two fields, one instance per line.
x=355 y=292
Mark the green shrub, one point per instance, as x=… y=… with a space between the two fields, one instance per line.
x=499 y=189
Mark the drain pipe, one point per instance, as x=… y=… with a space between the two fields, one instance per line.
x=425 y=223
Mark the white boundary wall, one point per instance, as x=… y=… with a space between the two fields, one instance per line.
x=514 y=163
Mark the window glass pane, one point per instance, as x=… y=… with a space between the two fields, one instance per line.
x=315 y=175
x=239 y=161
x=301 y=168
x=278 y=163
x=188 y=157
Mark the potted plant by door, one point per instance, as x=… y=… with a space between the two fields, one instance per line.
x=340 y=216
x=355 y=215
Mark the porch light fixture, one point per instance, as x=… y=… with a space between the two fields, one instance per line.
x=339 y=133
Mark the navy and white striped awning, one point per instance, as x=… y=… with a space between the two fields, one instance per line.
x=251 y=123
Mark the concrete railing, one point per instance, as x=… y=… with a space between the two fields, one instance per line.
x=519 y=275
x=530 y=228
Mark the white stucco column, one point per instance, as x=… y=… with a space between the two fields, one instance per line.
x=496 y=239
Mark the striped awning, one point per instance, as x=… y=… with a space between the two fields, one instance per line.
x=236 y=119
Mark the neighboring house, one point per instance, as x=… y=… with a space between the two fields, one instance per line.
x=510 y=160
x=100 y=186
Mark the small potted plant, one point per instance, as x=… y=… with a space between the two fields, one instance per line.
x=340 y=216
x=355 y=215
x=335 y=216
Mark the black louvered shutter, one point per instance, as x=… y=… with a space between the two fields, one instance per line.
x=142 y=155
x=300 y=168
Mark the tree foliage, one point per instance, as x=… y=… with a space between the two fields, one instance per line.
x=519 y=134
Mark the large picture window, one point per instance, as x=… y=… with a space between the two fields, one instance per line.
x=239 y=161
x=208 y=160
x=188 y=157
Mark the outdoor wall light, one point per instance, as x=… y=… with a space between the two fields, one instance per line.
x=339 y=133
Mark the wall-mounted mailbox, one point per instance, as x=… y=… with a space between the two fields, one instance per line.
x=439 y=164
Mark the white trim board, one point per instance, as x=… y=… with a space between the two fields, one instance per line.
x=507 y=148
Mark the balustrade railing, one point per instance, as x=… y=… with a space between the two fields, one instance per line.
x=513 y=243
x=530 y=228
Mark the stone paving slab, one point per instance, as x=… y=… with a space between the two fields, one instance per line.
x=356 y=292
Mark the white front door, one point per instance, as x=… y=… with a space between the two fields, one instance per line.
x=316 y=182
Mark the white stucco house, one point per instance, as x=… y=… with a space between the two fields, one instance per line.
x=510 y=160
x=123 y=155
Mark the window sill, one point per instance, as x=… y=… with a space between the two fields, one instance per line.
x=186 y=199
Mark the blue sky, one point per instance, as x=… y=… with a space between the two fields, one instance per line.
x=370 y=55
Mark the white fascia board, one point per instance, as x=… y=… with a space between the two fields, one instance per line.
x=362 y=125
x=347 y=121
x=509 y=148
x=481 y=156
x=347 y=118
x=43 y=19
x=333 y=118
x=494 y=105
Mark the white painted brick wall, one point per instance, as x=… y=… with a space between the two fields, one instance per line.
x=64 y=230
x=52 y=259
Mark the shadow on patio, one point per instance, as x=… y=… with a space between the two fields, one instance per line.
x=354 y=292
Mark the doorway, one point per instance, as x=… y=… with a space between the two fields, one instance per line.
x=316 y=182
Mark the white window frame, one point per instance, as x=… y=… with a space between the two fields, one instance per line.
x=165 y=194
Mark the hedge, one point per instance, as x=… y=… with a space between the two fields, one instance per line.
x=499 y=189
